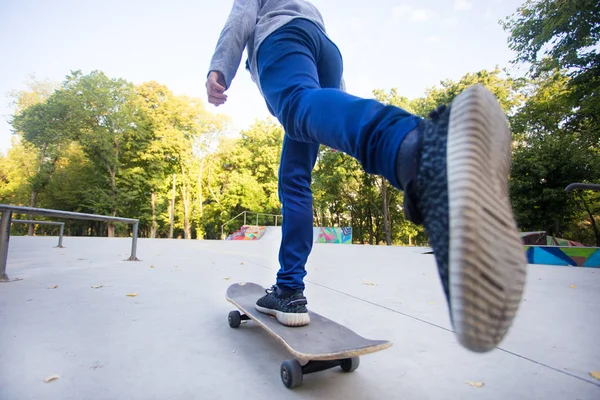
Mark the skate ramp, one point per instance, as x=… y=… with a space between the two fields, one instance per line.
x=337 y=235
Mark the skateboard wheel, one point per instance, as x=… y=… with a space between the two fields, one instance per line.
x=291 y=373
x=235 y=319
x=350 y=364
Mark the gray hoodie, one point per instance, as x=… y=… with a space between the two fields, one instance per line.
x=249 y=23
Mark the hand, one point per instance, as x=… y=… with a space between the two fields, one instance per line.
x=215 y=88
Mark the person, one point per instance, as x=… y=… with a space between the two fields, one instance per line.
x=452 y=167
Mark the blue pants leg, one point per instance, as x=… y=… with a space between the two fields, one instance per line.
x=300 y=72
x=295 y=194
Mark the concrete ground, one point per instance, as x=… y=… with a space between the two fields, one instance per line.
x=172 y=340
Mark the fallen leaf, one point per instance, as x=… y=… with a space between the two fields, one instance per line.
x=132 y=294
x=432 y=302
x=52 y=378
x=595 y=374
x=572 y=286
x=96 y=286
x=53 y=287
x=369 y=283
x=227 y=278
x=152 y=266
x=241 y=263
x=475 y=384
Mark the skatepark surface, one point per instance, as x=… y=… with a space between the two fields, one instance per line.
x=69 y=316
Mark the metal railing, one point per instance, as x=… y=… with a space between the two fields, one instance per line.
x=32 y=221
x=245 y=214
x=584 y=186
x=5 y=223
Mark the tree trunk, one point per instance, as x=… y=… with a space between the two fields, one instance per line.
x=172 y=208
x=370 y=226
x=34 y=190
x=386 y=213
x=187 y=230
x=154 y=224
x=113 y=212
x=33 y=204
x=200 y=200
x=113 y=187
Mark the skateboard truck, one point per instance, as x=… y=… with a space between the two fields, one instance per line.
x=291 y=371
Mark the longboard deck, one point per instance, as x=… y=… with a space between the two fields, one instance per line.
x=320 y=340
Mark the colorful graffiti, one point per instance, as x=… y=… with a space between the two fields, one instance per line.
x=541 y=238
x=567 y=256
x=334 y=235
x=248 y=233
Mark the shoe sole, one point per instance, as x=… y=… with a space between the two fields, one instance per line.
x=487 y=262
x=287 y=319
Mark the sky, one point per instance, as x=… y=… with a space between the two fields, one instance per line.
x=409 y=45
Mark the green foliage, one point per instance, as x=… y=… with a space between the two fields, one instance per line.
x=556 y=131
x=552 y=34
x=16 y=170
x=505 y=88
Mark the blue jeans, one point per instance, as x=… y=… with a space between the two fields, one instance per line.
x=300 y=72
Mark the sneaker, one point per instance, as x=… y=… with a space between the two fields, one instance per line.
x=288 y=306
x=454 y=171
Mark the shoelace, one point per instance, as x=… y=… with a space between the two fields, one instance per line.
x=270 y=290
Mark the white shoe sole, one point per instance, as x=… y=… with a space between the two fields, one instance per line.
x=287 y=319
x=487 y=263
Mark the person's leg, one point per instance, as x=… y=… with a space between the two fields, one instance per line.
x=311 y=113
x=295 y=172
x=295 y=176
x=453 y=169
x=286 y=300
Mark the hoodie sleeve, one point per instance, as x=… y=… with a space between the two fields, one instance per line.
x=234 y=36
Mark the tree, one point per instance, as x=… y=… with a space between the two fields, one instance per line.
x=504 y=87
x=556 y=35
x=110 y=130
x=242 y=175
x=37 y=94
x=182 y=134
x=42 y=124
x=558 y=128
x=16 y=170
x=390 y=99
x=548 y=156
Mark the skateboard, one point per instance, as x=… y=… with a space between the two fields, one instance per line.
x=320 y=345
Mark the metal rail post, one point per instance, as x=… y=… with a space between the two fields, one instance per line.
x=28 y=221
x=60 y=236
x=4 y=239
x=134 y=242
